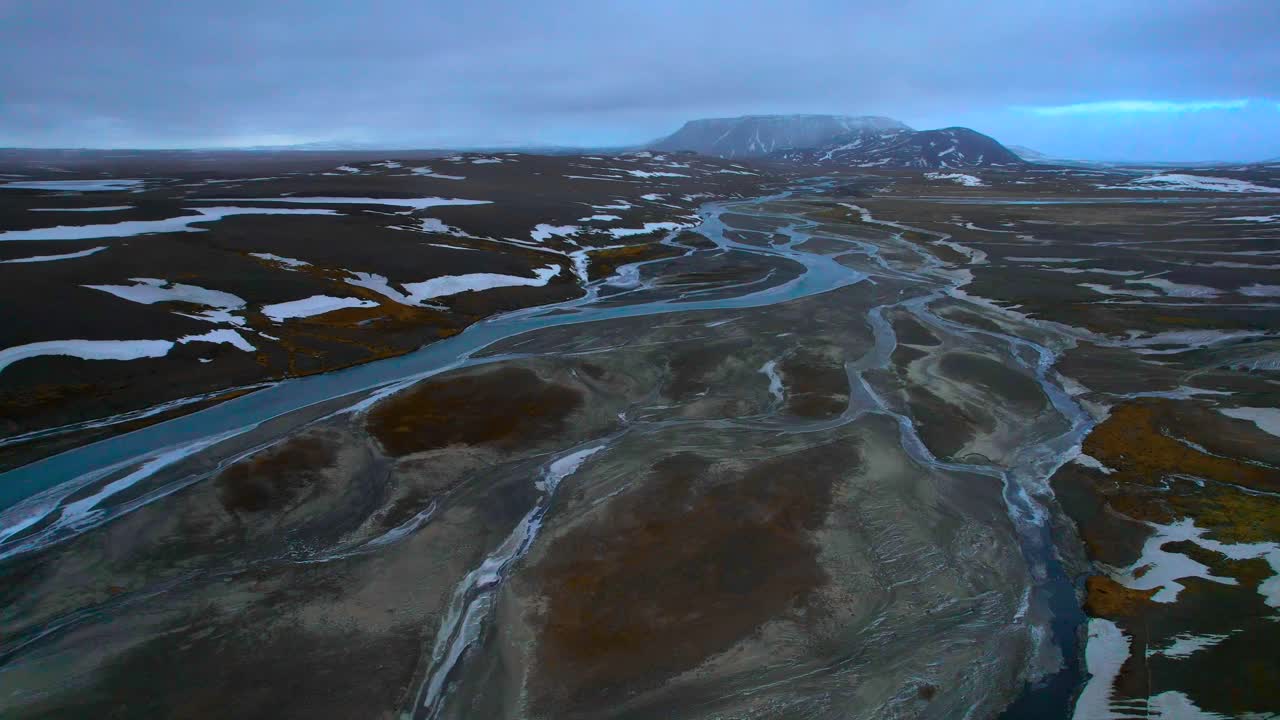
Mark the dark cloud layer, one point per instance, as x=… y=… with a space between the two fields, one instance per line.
x=426 y=72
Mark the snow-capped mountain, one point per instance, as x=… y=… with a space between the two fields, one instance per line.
x=761 y=135
x=953 y=147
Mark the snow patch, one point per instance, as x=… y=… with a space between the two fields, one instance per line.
x=1180 y=182
x=74 y=185
x=280 y=259
x=224 y=336
x=314 y=305
x=87 y=350
x=454 y=284
x=1256 y=290
x=648 y=228
x=154 y=290
x=1104 y=654
x=543 y=232
x=108 y=208
x=960 y=178
x=130 y=228
x=412 y=203
x=1267 y=419
x=51 y=258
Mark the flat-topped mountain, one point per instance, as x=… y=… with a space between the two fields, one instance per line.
x=760 y=135
x=838 y=141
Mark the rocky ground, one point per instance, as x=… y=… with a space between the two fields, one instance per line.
x=864 y=450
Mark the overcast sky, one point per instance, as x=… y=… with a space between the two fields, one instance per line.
x=1096 y=79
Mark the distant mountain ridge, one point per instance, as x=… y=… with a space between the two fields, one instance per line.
x=838 y=141
x=760 y=135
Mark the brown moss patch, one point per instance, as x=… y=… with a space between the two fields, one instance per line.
x=1106 y=598
x=691 y=371
x=944 y=428
x=678 y=571
x=507 y=407
x=272 y=479
x=817 y=385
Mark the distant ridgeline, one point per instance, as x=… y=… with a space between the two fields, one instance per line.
x=838 y=141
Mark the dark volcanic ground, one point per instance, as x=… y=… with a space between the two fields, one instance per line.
x=863 y=450
x=533 y=214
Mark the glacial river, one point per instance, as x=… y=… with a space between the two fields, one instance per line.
x=70 y=493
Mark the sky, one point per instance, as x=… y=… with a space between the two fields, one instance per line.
x=1090 y=79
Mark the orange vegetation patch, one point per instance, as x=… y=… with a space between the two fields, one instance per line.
x=1106 y=598
x=30 y=402
x=679 y=570
x=605 y=263
x=1138 y=442
x=507 y=407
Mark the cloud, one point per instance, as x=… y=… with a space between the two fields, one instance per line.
x=400 y=73
x=1137 y=106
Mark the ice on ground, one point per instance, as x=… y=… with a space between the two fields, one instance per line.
x=961 y=178
x=1032 y=258
x=1186 y=644
x=380 y=285
x=651 y=173
x=543 y=232
x=1267 y=419
x=487 y=161
x=1099 y=271
x=108 y=208
x=454 y=284
x=314 y=305
x=770 y=371
x=73 y=185
x=1181 y=183
x=1256 y=290
x=224 y=336
x=1108 y=290
x=51 y=258
x=1173 y=289
x=436 y=225
x=280 y=259
x=600 y=218
x=1173 y=705
x=217 y=317
x=1105 y=653
x=154 y=290
x=413 y=203
x=130 y=228
x=617 y=205
x=1252 y=218
x=348 y=169
x=1158 y=568
x=1092 y=462
x=87 y=350
x=653 y=197
x=1183 y=340
x=651 y=227
x=428 y=172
